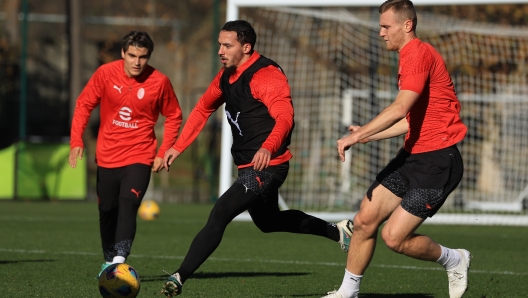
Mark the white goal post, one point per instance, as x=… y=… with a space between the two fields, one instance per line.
x=495 y=185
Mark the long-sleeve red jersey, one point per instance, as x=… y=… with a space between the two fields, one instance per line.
x=268 y=85
x=129 y=110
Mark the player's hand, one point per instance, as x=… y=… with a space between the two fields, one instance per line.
x=261 y=159
x=170 y=156
x=345 y=143
x=158 y=164
x=76 y=152
x=354 y=128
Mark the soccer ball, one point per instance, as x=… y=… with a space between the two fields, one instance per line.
x=118 y=281
x=149 y=210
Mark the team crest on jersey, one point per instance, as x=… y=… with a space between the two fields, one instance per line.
x=140 y=93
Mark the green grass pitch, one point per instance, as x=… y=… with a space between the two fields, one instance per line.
x=53 y=250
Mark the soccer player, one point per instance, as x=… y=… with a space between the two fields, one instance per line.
x=132 y=94
x=416 y=183
x=260 y=112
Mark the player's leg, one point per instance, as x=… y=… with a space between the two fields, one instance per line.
x=376 y=207
x=135 y=179
x=234 y=201
x=381 y=199
x=440 y=172
x=269 y=218
x=107 y=189
x=399 y=235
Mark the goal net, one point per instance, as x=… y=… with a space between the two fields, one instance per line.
x=341 y=73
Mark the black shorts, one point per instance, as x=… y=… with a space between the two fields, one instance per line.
x=261 y=182
x=423 y=180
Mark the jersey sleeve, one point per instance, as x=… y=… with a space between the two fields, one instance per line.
x=210 y=101
x=270 y=86
x=88 y=100
x=415 y=70
x=171 y=110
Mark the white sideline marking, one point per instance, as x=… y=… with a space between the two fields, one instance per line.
x=36 y=251
x=439 y=219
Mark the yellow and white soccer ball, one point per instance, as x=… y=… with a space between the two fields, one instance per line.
x=119 y=281
x=149 y=210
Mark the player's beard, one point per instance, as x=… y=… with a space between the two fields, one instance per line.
x=229 y=70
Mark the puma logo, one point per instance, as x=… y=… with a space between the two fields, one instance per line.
x=259 y=182
x=136 y=192
x=234 y=121
x=118 y=88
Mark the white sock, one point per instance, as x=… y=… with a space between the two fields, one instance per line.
x=450 y=258
x=118 y=259
x=350 y=285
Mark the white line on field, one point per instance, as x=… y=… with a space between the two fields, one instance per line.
x=37 y=251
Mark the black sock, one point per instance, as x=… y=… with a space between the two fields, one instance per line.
x=332 y=231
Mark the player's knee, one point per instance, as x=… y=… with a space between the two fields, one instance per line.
x=393 y=243
x=216 y=219
x=264 y=227
x=364 y=226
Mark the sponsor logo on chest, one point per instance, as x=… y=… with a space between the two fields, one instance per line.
x=125 y=113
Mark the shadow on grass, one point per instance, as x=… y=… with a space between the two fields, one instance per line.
x=24 y=261
x=208 y=275
x=373 y=295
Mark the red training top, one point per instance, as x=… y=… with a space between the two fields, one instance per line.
x=434 y=120
x=129 y=110
x=268 y=85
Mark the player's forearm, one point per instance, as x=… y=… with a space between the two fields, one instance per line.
x=279 y=134
x=210 y=101
x=281 y=110
x=170 y=132
x=378 y=128
x=401 y=127
x=87 y=101
x=192 y=128
x=389 y=117
x=79 y=122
